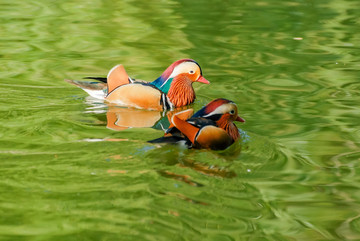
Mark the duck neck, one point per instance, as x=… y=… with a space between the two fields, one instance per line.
x=181 y=92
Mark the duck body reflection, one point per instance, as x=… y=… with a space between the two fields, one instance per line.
x=119 y=118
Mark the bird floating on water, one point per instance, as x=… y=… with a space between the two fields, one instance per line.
x=171 y=90
x=211 y=127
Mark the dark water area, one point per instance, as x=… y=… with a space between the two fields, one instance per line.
x=68 y=173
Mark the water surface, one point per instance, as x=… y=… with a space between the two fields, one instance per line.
x=291 y=66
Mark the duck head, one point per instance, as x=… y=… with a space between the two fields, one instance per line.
x=183 y=68
x=224 y=112
x=176 y=81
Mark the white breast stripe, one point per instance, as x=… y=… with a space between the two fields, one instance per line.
x=164 y=101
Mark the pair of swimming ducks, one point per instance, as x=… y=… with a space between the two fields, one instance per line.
x=211 y=127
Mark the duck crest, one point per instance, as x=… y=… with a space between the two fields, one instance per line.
x=209 y=108
x=164 y=82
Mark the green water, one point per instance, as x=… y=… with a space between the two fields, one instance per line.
x=291 y=66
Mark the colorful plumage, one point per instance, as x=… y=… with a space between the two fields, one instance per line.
x=172 y=89
x=211 y=127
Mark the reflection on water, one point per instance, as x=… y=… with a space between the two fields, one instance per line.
x=122 y=118
x=291 y=66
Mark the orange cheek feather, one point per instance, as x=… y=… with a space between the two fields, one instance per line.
x=228 y=126
x=181 y=92
x=223 y=121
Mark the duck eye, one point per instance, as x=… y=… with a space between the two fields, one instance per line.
x=232 y=112
x=191 y=72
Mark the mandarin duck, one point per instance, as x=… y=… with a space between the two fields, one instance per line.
x=211 y=127
x=172 y=89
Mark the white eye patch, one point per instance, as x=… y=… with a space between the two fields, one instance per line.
x=222 y=109
x=185 y=67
